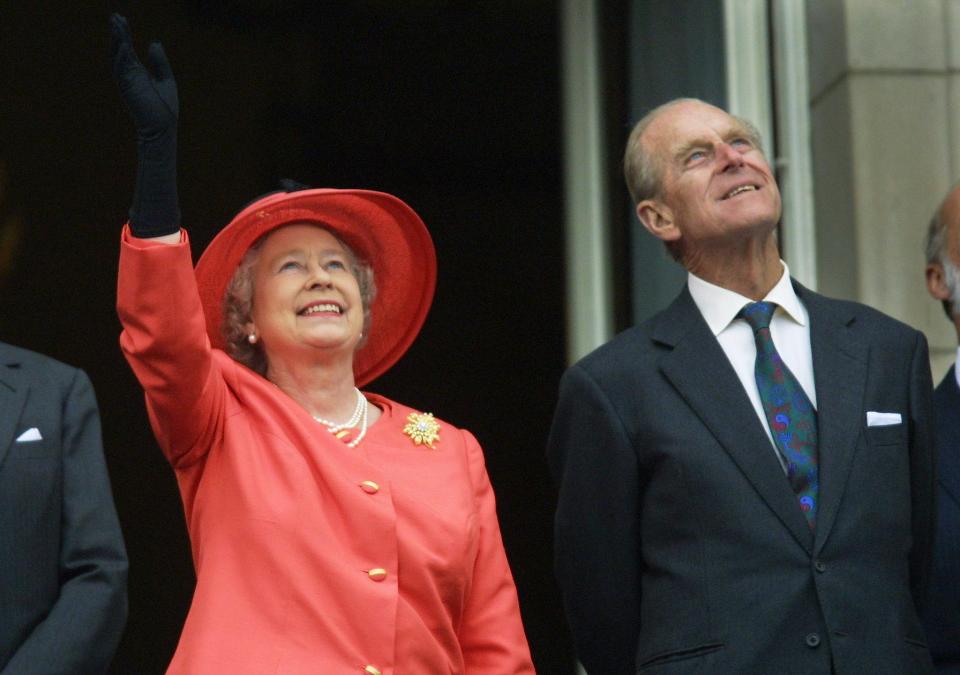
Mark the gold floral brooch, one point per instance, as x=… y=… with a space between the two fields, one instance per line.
x=423 y=429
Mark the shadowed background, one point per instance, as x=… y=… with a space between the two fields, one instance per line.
x=452 y=106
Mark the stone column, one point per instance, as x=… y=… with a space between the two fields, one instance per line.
x=885 y=125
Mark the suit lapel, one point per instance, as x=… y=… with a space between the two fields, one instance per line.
x=13 y=394
x=840 y=373
x=947 y=398
x=702 y=374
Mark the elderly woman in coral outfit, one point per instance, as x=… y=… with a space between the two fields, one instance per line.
x=333 y=530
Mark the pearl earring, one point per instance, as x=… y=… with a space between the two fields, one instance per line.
x=252 y=338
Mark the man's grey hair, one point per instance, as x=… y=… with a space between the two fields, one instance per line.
x=936 y=243
x=936 y=253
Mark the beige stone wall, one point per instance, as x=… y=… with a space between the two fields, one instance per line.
x=885 y=123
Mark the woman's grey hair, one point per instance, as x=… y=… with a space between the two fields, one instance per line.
x=238 y=304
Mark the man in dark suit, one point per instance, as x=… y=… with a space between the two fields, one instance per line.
x=744 y=487
x=942 y=613
x=63 y=568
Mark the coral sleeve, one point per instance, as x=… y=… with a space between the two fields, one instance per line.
x=165 y=341
x=491 y=631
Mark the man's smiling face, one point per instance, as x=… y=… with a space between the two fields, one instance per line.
x=715 y=181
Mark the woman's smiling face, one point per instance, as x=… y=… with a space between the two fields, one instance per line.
x=305 y=295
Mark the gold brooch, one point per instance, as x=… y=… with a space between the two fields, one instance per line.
x=423 y=429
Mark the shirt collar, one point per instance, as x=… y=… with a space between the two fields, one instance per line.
x=719 y=306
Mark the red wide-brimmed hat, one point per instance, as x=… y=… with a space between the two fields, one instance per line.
x=380 y=228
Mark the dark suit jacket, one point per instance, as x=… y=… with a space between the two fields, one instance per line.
x=63 y=569
x=680 y=546
x=942 y=613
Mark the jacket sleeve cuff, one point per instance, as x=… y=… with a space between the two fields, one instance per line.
x=127 y=239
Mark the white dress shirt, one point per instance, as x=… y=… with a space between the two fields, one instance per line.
x=789 y=328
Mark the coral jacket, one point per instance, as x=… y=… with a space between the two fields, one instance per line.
x=313 y=557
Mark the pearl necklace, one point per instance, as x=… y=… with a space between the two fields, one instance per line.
x=359 y=415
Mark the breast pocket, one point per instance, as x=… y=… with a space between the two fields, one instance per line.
x=38 y=449
x=882 y=468
x=892 y=434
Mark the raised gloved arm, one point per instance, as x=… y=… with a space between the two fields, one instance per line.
x=150 y=94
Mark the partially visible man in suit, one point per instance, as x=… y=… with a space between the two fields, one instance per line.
x=942 y=613
x=746 y=479
x=63 y=568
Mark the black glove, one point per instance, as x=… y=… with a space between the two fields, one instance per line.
x=151 y=97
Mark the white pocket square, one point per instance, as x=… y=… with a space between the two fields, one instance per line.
x=882 y=419
x=31 y=434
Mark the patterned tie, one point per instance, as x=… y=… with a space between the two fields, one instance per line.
x=792 y=419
